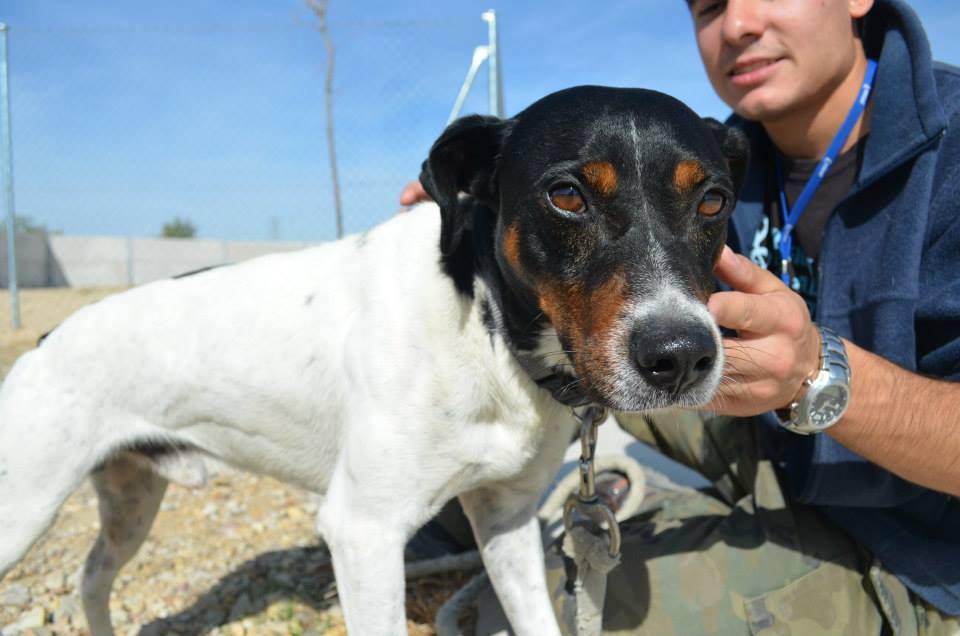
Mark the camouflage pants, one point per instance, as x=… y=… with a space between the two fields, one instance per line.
x=743 y=558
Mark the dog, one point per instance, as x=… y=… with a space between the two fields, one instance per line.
x=567 y=260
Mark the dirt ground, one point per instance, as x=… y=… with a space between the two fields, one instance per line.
x=237 y=557
x=40 y=311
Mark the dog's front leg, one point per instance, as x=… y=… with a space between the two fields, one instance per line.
x=505 y=525
x=367 y=557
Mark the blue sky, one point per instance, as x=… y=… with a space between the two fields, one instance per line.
x=128 y=114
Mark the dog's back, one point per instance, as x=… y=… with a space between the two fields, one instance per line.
x=261 y=364
x=275 y=338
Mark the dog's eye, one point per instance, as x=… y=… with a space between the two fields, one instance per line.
x=712 y=203
x=566 y=197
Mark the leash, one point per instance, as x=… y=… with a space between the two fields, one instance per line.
x=587 y=543
x=591 y=540
x=586 y=502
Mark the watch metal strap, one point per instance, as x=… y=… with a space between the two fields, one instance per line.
x=828 y=393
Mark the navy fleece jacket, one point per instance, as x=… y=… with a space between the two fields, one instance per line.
x=889 y=282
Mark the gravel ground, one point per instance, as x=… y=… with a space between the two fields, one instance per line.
x=239 y=556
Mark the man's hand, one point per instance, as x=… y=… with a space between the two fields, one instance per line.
x=897 y=419
x=413 y=193
x=777 y=346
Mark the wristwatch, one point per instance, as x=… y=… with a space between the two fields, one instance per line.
x=824 y=396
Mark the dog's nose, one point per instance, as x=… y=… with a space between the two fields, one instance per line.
x=673 y=356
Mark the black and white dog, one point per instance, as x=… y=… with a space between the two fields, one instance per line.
x=438 y=355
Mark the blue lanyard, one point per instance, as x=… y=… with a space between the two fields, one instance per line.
x=791 y=217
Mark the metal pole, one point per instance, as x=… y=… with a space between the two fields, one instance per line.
x=7 y=169
x=495 y=81
x=479 y=55
x=130 y=261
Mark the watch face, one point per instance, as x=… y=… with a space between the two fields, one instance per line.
x=828 y=405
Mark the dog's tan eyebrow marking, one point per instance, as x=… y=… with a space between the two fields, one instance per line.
x=687 y=175
x=601 y=175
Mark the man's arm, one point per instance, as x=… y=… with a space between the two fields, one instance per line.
x=907 y=423
x=904 y=422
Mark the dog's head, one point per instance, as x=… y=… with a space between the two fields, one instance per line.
x=606 y=212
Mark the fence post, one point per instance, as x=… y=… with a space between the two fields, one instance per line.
x=130 y=261
x=495 y=81
x=7 y=169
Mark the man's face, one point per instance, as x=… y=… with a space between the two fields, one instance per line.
x=770 y=58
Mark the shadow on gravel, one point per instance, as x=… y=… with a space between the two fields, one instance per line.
x=301 y=573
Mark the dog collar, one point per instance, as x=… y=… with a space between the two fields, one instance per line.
x=564 y=387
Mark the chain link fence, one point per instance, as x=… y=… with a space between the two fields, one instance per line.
x=120 y=130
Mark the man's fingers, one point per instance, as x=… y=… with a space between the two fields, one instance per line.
x=753 y=307
x=747 y=313
x=743 y=275
x=413 y=193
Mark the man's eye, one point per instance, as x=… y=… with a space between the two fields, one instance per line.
x=567 y=198
x=712 y=203
x=706 y=8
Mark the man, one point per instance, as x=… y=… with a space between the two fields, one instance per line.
x=853 y=527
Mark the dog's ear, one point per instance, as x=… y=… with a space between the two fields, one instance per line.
x=735 y=147
x=463 y=159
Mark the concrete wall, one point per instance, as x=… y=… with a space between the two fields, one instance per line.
x=106 y=261
x=32 y=260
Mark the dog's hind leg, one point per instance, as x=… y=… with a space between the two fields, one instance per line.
x=40 y=466
x=28 y=506
x=129 y=496
x=26 y=511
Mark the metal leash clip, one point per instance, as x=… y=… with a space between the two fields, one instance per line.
x=586 y=502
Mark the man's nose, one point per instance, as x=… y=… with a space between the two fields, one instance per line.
x=743 y=21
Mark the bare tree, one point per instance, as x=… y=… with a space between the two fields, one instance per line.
x=319 y=7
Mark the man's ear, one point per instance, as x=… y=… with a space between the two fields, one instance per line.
x=463 y=159
x=735 y=147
